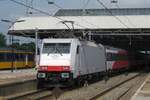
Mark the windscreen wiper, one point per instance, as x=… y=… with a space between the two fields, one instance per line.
x=58 y=51
x=51 y=52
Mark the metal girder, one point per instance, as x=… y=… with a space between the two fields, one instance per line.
x=114 y=34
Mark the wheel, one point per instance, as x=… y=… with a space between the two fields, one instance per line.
x=39 y=85
x=78 y=82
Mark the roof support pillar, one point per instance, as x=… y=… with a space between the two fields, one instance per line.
x=36 y=47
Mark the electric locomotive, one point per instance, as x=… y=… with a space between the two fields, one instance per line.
x=68 y=61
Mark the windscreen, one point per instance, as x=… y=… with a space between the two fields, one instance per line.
x=60 y=48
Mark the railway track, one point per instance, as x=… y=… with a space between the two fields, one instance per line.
x=105 y=90
x=31 y=95
x=118 y=91
x=97 y=91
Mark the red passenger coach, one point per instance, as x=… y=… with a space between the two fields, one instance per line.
x=117 y=58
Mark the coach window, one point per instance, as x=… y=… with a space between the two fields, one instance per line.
x=5 y=57
x=31 y=57
x=19 y=56
x=22 y=57
x=109 y=56
x=16 y=56
x=1 y=56
x=115 y=56
x=9 y=56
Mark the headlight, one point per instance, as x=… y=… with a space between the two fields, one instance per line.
x=65 y=75
x=41 y=75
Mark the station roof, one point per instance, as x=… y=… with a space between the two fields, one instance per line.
x=102 y=12
x=51 y=24
x=108 y=28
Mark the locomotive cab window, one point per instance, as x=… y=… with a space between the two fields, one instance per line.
x=56 y=48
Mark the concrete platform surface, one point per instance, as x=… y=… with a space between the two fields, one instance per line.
x=143 y=93
x=20 y=74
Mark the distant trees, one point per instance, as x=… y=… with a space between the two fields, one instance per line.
x=28 y=46
x=25 y=46
x=2 y=40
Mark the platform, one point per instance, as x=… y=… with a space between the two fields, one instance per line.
x=20 y=80
x=143 y=92
x=17 y=75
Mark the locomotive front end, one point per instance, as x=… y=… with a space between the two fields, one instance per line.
x=55 y=63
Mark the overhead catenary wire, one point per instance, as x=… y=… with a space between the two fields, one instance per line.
x=43 y=12
x=103 y=5
x=83 y=8
x=30 y=3
x=86 y=4
x=78 y=16
x=122 y=34
x=63 y=22
x=46 y=13
x=40 y=11
x=126 y=17
x=51 y=2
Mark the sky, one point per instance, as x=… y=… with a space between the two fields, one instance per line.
x=11 y=11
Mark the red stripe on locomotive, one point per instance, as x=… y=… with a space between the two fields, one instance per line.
x=54 y=68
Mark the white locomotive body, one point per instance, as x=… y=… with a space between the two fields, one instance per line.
x=66 y=60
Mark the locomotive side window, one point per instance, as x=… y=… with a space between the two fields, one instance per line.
x=78 y=49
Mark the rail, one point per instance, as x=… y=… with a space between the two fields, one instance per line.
x=113 y=87
x=31 y=95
